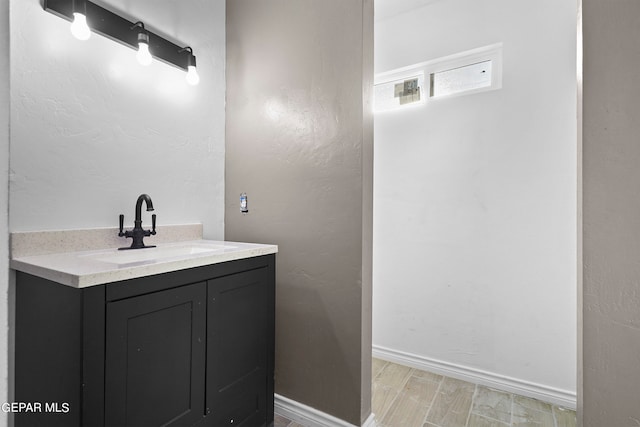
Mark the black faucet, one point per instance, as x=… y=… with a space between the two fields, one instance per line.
x=137 y=234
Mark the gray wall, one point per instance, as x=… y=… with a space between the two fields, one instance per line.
x=4 y=201
x=611 y=213
x=299 y=142
x=367 y=206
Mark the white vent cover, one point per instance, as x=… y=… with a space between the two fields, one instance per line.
x=461 y=79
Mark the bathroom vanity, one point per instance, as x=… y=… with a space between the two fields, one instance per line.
x=180 y=338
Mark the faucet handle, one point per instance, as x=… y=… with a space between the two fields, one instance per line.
x=121 y=225
x=153 y=224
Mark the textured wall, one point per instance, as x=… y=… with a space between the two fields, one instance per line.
x=611 y=213
x=475 y=198
x=299 y=143
x=367 y=206
x=4 y=200
x=91 y=129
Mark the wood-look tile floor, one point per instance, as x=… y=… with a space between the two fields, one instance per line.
x=407 y=397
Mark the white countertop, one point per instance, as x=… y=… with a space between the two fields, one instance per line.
x=88 y=268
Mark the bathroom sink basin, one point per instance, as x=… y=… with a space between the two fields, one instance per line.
x=157 y=254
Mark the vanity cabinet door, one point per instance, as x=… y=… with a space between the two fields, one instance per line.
x=155 y=358
x=238 y=350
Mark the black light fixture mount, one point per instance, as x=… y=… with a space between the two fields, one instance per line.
x=121 y=30
x=191 y=59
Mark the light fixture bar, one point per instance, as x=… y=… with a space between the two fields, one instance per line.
x=117 y=28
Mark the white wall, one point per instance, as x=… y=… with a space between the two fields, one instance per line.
x=475 y=199
x=4 y=200
x=91 y=129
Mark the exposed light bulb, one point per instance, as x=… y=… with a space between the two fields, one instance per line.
x=192 y=75
x=143 y=55
x=79 y=27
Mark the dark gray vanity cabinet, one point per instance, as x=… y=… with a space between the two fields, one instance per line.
x=155 y=358
x=238 y=324
x=190 y=347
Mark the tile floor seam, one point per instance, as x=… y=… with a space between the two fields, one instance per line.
x=398 y=391
x=390 y=405
x=512 y=403
x=487 y=417
x=401 y=388
x=433 y=400
x=473 y=399
x=382 y=415
x=380 y=370
x=386 y=363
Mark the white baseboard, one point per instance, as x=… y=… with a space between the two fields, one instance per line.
x=551 y=395
x=371 y=421
x=311 y=417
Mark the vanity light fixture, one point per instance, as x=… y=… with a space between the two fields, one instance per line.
x=192 y=73
x=79 y=27
x=88 y=17
x=143 y=56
